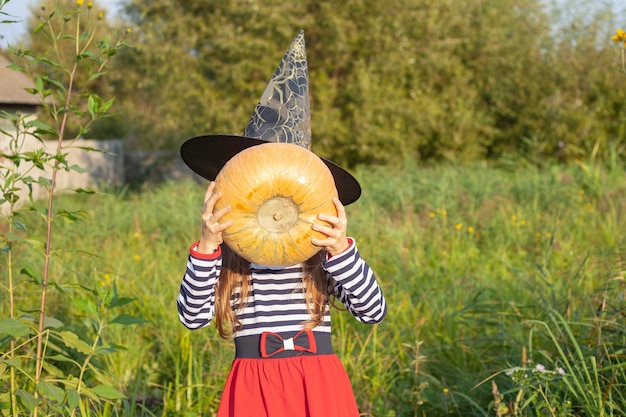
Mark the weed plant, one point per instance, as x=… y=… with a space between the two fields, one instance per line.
x=52 y=364
x=505 y=290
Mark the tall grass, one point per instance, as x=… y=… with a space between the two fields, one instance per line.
x=485 y=271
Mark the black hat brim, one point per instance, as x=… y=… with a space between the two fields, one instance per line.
x=207 y=155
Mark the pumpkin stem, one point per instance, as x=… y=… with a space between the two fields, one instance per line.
x=278 y=214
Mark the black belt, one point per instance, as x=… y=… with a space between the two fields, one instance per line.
x=283 y=345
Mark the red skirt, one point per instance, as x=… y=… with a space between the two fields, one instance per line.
x=299 y=386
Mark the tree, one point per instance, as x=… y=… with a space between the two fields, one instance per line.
x=404 y=78
x=52 y=40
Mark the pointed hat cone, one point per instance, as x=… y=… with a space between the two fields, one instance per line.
x=282 y=115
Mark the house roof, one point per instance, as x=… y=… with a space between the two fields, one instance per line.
x=12 y=85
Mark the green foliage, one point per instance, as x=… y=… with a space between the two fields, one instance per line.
x=587 y=373
x=71 y=368
x=63 y=54
x=483 y=269
x=428 y=80
x=49 y=366
x=468 y=256
x=403 y=78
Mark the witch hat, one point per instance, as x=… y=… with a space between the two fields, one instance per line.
x=282 y=115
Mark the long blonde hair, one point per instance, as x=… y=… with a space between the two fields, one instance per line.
x=235 y=278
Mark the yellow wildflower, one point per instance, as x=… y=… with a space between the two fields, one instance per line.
x=100 y=15
x=89 y=4
x=444 y=213
x=470 y=229
x=136 y=257
x=431 y=214
x=620 y=36
x=445 y=390
x=459 y=226
x=79 y=2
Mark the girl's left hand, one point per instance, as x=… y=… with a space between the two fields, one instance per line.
x=336 y=241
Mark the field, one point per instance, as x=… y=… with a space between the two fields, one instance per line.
x=505 y=289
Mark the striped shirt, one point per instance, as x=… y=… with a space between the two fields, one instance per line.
x=276 y=302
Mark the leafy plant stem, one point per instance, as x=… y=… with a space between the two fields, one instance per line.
x=49 y=218
x=13 y=384
x=14 y=177
x=85 y=364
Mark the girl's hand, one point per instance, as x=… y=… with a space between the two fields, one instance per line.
x=211 y=237
x=336 y=241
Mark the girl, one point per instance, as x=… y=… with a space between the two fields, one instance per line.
x=280 y=318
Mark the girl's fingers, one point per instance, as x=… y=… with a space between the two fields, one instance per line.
x=209 y=191
x=210 y=198
x=335 y=241
x=323 y=243
x=328 y=231
x=334 y=235
x=218 y=214
x=207 y=195
x=341 y=210
x=223 y=226
x=338 y=222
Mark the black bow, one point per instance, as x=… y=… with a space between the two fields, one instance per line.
x=273 y=343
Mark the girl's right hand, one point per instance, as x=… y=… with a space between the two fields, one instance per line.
x=212 y=229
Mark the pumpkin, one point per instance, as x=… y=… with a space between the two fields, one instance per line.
x=275 y=191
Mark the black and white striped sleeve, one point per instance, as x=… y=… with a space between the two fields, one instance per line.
x=196 y=298
x=356 y=285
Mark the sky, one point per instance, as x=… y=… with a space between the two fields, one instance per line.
x=19 y=10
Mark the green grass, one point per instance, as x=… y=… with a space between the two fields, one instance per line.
x=480 y=266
